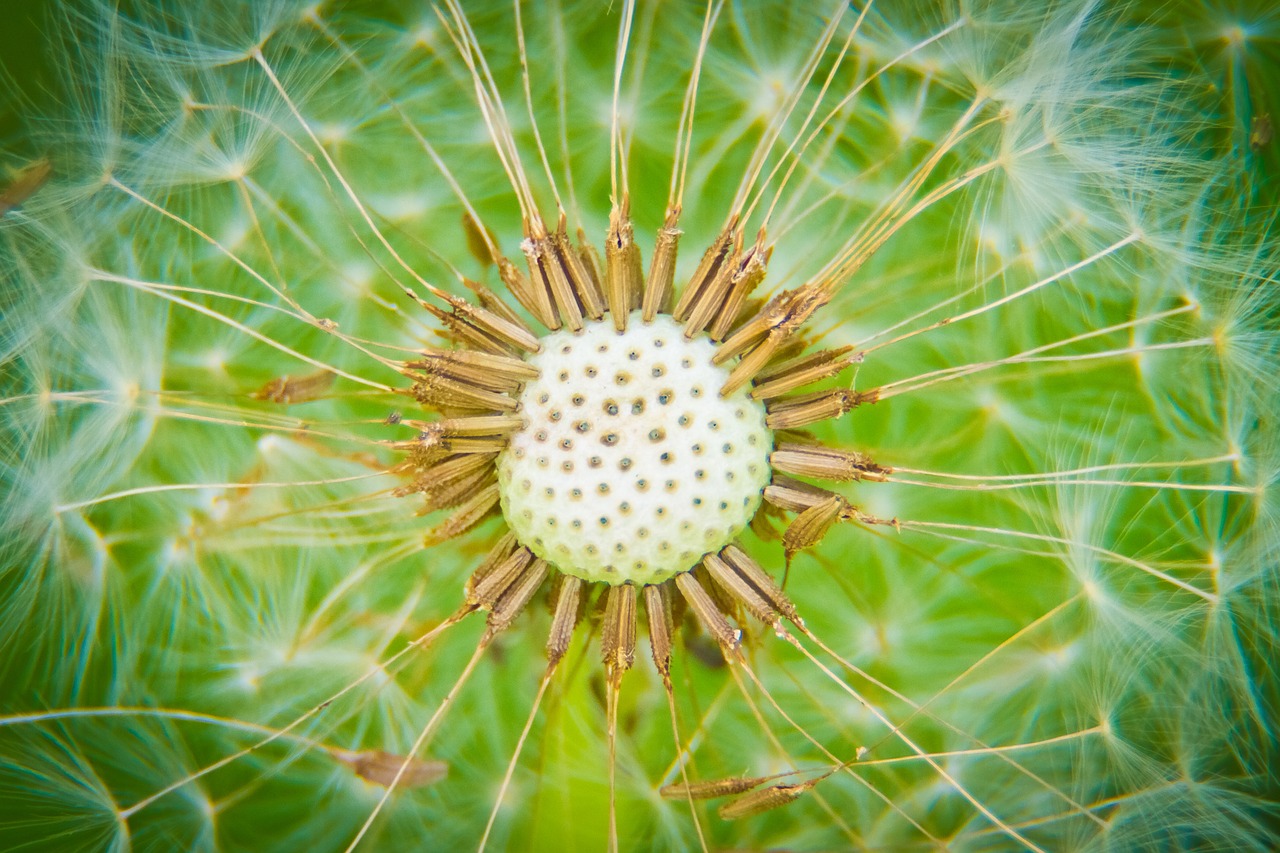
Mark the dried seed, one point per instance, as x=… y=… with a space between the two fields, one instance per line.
x=576 y=274
x=750 y=273
x=785 y=313
x=754 y=574
x=564 y=619
x=495 y=303
x=381 y=768
x=657 y=606
x=824 y=463
x=296 y=389
x=710 y=296
x=489 y=582
x=711 y=788
x=662 y=269
x=804 y=409
x=443 y=392
x=788 y=375
x=618 y=635
x=763 y=800
x=514 y=599
x=496 y=555
x=739 y=589
x=25 y=183
x=468 y=515
x=540 y=252
x=624 y=271
x=811 y=525
x=713 y=621
x=546 y=285
x=708 y=267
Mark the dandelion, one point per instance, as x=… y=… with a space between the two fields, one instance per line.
x=381 y=386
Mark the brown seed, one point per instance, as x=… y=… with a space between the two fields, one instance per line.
x=711 y=788
x=544 y=268
x=485 y=589
x=467 y=516
x=804 y=409
x=296 y=389
x=497 y=554
x=732 y=583
x=565 y=617
x=26 y=183
x=581 y=284
x=812 y=525
x=763 y=800
x=752 y=572
x=381 y=768
x=824 y=463
x=618 y=634
x=750 y=273
x=516 y=597
x=790 y=374
x=662 y=270
x=713 y=621
x=708 y=267
x=657 y=606
x=786 y=312
x=624 y=272
x=710 y=296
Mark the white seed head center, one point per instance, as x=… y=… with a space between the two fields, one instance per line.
x=631 y=465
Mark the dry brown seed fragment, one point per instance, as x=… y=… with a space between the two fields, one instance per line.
x=811 y=525
x=486 y=588
x=794 y=495
x=711 y=295
x=785 y=313
x=468 y=515
x=748 y=277
x=779 y=378
x=713 y=621
x=564 y=619
x=497 y=425
x=26 y=182
x=624 y=273
x=381 y=768
x=824 y=463
x=711 y=788
x=447 y=495
x=763 y=800
x=514 y=599
x=296 y=389
x=757 y=358
x=491 y=301
x=708 y=267
x=496 y=555
x=657 y=606
x=544 y=280
x=576 y=274
x=523 y=291
x=754 y=574
x=662 y=269
x=804 y=409
x=739 y=589
x=618 y=634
